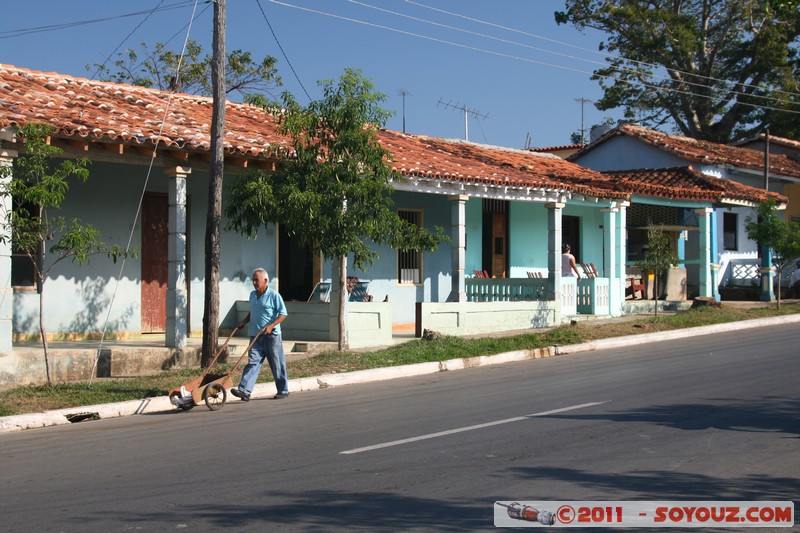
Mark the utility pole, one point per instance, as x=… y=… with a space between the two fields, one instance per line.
x=214 y=215
x=466 y=110
x=404 y=93
x=583 y=101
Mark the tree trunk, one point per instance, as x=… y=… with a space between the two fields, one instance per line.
x=43 y=332
x=655 y=292
x=779 y=288
x=344 y=343
x=214 y=215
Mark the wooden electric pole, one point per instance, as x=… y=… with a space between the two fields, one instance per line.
x=214 y=215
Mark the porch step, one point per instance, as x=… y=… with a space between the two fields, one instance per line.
x=306 y=348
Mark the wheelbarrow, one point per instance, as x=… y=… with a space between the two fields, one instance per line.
x=209 y=387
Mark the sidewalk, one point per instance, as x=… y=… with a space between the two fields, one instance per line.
x=266 y=390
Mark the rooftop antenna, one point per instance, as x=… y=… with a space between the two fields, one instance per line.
x=467 y=112
x=583 y=101
x=404 y=93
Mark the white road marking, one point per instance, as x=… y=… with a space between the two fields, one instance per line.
x=469 y=428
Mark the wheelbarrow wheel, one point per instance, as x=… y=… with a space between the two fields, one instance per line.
x=215 y=396
x=183 y=406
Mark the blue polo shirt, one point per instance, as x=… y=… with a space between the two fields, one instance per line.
x=265 y=310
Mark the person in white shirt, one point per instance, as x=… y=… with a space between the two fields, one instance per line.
x=568 y=265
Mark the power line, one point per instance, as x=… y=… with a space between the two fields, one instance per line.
x=528 y=60
x=635 y=61
x=53 y=27
x=108 y=58
x=567 y=56
x=282 y=51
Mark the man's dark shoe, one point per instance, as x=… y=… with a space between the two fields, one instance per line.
x=240 y=394
x=280 y=396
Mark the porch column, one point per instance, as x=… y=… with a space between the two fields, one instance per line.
x=704 y=222
x=554 y=253
x=7 y=157
x=177 y=290
x=458 y=220
x=715 y=256
x=622 y=249
x=610 y=270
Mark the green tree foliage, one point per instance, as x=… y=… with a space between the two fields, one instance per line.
x=782 y=237
x=660 y=257
x=698 y=63
x=37 y=187
x=334 y=191
x=157 y=69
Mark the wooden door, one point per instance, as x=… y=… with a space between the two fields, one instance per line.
x=155 y=212
x=499 y=244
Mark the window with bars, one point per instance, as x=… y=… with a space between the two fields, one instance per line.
x=730 y=223
x=409 y=262
x=23 y=268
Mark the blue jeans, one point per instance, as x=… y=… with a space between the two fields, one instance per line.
x=271 y=348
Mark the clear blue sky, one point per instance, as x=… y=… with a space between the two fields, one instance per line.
x=522 y=70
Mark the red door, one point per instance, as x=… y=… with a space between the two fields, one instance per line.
x=155 y=211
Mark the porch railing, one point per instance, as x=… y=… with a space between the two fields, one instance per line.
x=594 y=296
x=505 y=289
x=588 y=296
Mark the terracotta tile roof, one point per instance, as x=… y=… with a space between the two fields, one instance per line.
x=782 y=141
x=561 y=148
x=103 y=111
x=112 y=112
x=704 y=152
x=686 y=183
x=417 y=155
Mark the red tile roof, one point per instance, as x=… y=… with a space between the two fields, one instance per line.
x=782 y=141
x=416 y=155
x=112 y=112
x=118 y=113
x=704 y=152
x=104 y=111
x=686 y=183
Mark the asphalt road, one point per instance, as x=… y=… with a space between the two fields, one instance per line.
x=711 y=418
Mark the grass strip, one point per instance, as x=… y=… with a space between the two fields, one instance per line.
x=31 y=399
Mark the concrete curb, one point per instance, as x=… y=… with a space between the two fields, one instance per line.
x=267 y=390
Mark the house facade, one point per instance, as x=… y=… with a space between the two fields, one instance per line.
x=507 y=212
x=733 y=257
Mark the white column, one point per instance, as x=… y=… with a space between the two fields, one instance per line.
x=177 y=289
x=554 y=213
x=610 y=251
x=458 y=233
x=7 y=157
x=704 y=222
x=622 y=248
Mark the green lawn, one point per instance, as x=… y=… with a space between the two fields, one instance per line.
x=42 y=398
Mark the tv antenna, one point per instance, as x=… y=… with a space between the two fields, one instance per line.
x=467 y=112
x=583 y=101
x=403 y=93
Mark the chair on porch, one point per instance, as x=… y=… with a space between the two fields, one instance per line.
x=636 y=284
x=588 y=271
x=359 y=292
x=321 y=292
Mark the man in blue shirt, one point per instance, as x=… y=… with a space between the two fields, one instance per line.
x=267 y=311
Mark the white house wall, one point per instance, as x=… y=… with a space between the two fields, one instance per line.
x=77 y=297
x=626 y=153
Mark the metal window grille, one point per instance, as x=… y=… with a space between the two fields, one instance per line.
x=729 y=225
x=409 y=262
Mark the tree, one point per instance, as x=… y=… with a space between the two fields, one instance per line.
x=333 y=192
x=659 y=258
x=782 y=237
x=37 y=188
x=701 y=64
x=158 y=69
